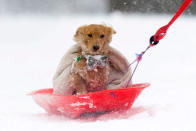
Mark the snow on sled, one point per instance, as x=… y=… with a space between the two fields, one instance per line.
x=75 y=105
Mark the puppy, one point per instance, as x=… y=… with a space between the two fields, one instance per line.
x=91 y=69
x=91 y=64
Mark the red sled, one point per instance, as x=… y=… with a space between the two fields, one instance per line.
x=75 y=105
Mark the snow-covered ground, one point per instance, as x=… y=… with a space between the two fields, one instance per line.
x=31 y=47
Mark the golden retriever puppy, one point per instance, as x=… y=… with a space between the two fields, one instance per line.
x=91 y=71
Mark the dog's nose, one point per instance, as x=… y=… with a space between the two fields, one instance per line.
x=95 y=47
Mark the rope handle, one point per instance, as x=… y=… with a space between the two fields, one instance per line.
x=161 y=32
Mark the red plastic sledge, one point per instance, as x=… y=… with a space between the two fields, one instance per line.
x=75 y=105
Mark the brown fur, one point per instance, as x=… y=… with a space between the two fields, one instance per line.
x=87 y=36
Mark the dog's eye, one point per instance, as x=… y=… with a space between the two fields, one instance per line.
x=90 y=35
x=102 y=36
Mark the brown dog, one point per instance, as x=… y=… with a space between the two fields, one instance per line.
x=94 y=41
x=91 y=64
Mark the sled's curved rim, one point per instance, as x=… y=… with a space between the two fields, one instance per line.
x=74 y=106
x=49 y=91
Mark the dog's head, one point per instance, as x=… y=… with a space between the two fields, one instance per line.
x=94 y=39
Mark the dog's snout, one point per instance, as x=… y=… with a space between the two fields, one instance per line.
x=95 y=47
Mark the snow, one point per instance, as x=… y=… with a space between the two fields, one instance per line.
x=31 y=47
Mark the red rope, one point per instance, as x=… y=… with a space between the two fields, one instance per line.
x=163 y=30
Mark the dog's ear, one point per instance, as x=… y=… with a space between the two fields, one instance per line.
x=79 y=31
x=111 y=30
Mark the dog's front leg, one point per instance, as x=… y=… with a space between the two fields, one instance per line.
x=79 y=85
